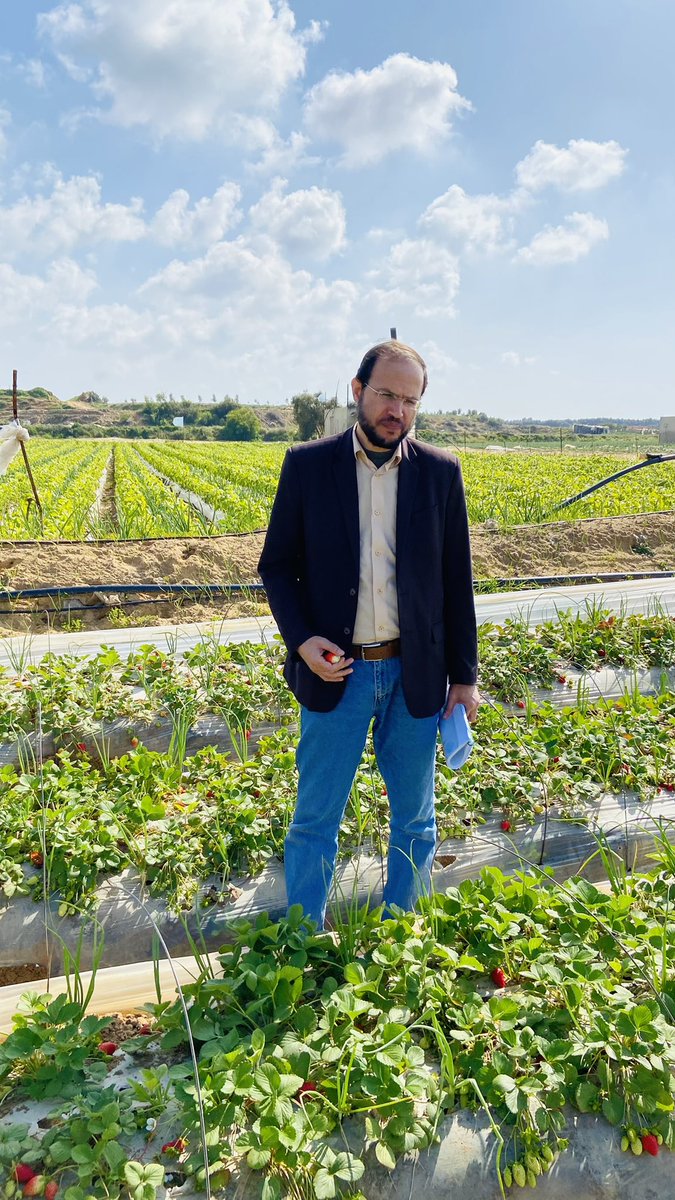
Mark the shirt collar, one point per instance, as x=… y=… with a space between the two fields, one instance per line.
x=360 y=453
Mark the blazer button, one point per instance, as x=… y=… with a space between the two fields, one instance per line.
x=346 y=629
x=352 y=591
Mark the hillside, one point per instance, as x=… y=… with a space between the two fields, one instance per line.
x=90 y=415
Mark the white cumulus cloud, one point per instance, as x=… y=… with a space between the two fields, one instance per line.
x=477 y=222
x=418 y=274
x=176 y=223
x=310 y=221
x=404 y=104
x=511 y=358
x=71 y=213
x=565 y=243
x=580 y=166
x=180 y=67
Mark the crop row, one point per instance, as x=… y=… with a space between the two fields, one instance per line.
x=67 y=477
x=238 y=480
x=180 y=818
x=243 y=684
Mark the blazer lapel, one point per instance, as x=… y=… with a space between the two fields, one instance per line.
x=344 y=476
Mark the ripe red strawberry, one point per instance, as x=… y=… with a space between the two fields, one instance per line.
x=144 y=1030
x=22 y=1172
x=36 y=858
x=35 y=1186
x=330 y=657
x=520 y=703
x=51 y=1190
x=248 y=734
x=82 y=747
x=562 y=679
x=133 y=742
x=602 y=653
x=178 y=1145
x=506 y=825
x=650 y=1144
x=307 y=1087
x=557 y=758
x=498 y=977
x=384 y=791
x=107 y=1047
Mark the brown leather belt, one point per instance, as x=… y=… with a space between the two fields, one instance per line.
x=375 y=651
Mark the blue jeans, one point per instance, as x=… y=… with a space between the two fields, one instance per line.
x=330 y=749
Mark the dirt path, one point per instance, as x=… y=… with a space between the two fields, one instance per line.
x=606 y=544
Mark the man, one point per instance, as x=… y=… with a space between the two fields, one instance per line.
x=367 y=569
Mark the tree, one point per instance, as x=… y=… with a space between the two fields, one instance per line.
x=310 y=414
x=241 y=425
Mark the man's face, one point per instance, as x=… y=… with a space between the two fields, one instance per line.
x=386 y=420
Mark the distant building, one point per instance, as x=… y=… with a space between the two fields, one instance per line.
x=591 y=430
x=338 y=420
x=667 y=431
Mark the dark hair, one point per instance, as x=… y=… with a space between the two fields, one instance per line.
x=391 y=349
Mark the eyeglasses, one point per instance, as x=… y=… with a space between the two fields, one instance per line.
x=410 y=403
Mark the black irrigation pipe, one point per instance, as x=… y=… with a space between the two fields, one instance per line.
x=207 y=591
x=649 y=461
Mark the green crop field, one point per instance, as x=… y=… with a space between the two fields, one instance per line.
x=118 y=489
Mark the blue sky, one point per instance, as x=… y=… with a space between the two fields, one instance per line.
x=211 y=196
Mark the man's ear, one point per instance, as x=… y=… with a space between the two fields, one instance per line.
x=357 y=388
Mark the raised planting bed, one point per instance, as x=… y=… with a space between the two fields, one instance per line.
x=514 y=1032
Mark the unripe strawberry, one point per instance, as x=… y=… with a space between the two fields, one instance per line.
x=624 y=1143
x=507 y=1177
x=519 y=1176
x=22 y=1173
x=547 y=1153
x=51 y=1190
x=636 y=1147
x=650 y=1144
x=498 y=977
x=532 y=1163
x=35 y=1186
x=107 y=1047
x=531 y=1179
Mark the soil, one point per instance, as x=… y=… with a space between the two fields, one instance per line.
x=21 y=974
x=603 y=545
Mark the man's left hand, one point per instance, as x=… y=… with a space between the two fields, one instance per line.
x=466 y=694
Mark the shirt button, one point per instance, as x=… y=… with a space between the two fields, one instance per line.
x=352 y=591
x=379 y=591
x=346 y=629
x=377 y=553
x=377 y=512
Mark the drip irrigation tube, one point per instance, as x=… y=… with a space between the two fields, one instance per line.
x=650 y=461
x=238 y=589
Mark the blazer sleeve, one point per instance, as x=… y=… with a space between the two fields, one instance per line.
x=282 y=563
x=461 y=636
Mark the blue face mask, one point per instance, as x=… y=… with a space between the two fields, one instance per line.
x=456 y=736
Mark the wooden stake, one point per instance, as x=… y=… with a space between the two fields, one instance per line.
x=15 y=411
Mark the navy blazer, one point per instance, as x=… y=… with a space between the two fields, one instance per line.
x=310 y=568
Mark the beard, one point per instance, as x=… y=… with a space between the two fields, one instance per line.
x=384 y=442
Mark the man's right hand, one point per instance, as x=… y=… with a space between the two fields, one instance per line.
x=313 y=653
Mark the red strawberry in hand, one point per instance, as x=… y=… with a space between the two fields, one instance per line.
x=107 y=1047
x=650 y=1144
x=498 y=977
x=22 y=1173
x=330 y=657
